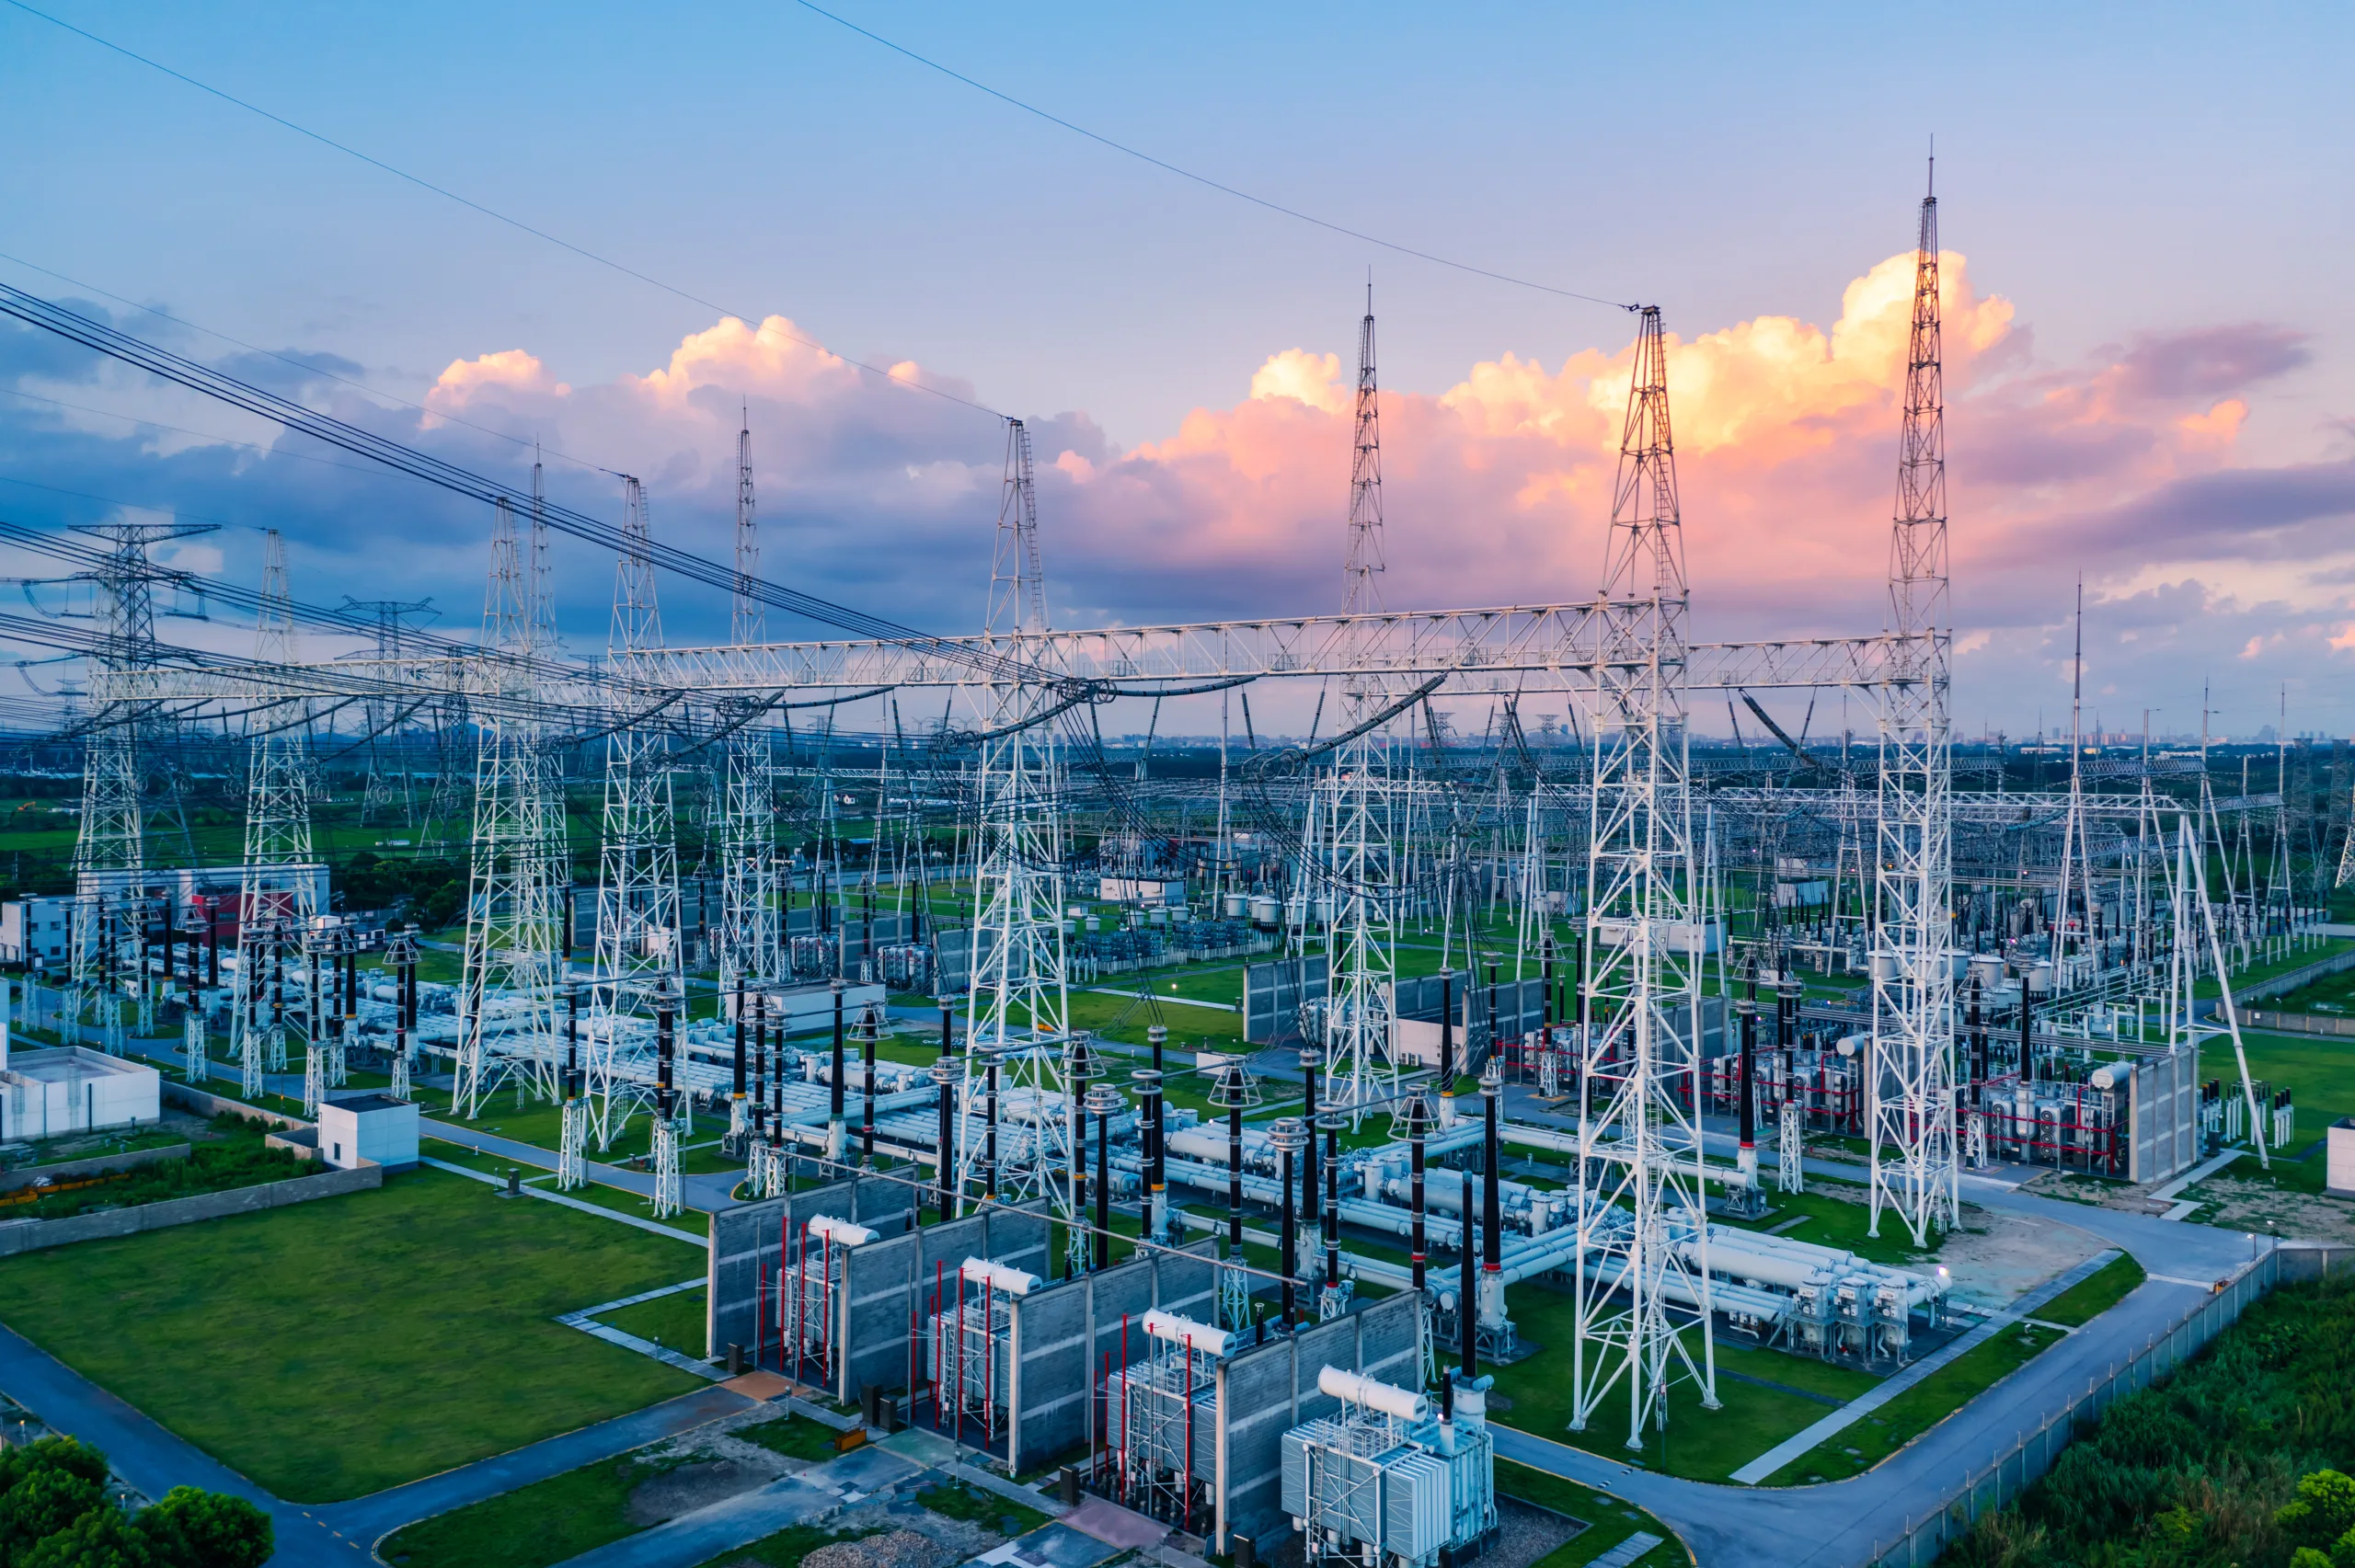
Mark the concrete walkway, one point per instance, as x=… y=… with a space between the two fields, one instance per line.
x=708 y=1193
x=372 y=1517
x=654 y=1227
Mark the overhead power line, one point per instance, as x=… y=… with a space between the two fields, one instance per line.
x=1201 y=179
x=493 y=213
x=162 y=363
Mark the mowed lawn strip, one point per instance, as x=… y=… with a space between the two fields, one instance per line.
x=1608 y=1520
x=530 y=1527
x=2094 y=1294
x=1918 y=1409
x=334 y=1348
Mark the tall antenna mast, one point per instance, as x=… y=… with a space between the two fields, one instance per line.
x=1361 y=592
x=1359 y=1068
x=1909 y=1086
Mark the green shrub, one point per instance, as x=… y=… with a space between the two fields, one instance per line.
x=54 y=1513
x=2233 y=1460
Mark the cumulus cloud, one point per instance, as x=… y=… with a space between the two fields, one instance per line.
x=2127 y=466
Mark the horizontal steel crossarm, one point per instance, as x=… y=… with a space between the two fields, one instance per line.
x=481 y=680
x=1507 y=646
x=1983 y=808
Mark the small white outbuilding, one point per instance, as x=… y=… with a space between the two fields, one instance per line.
x=375 y=1128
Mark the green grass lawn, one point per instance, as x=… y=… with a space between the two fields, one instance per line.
x=2318 y=1071
x=1919 y=1408
x=2096 y=1294
x=959 y=1501
x=334 y=1348
x=530 y=1527
x=1702 y=1445
x=1834 y=1221
x=691 y=1224
x=676 y=1320
x=795 y=1437
x=1609 y=1521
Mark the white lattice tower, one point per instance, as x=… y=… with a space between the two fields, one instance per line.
x=279 y=892
x=1909 y=1085
x=1643 y=979
x=1020 y=1003
x=513 y=908
x=2195 y=928
x=111 y=847
x=1358 y=1065
x=749 y=907
x=637 y=953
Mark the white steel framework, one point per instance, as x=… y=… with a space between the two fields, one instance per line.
x=1017 y=1010
x=1360 y=1067
x=1909 y=1085
x=1639 y=1125
x=278 y=898
x=636 y=958
x=749 y=908
x=513 y=904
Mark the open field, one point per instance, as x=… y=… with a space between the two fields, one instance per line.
x=335 y=1348
x=1771 y=1396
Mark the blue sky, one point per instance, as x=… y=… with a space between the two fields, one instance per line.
x=2118 y=173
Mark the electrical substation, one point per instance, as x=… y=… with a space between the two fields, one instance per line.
x=1260 y=1292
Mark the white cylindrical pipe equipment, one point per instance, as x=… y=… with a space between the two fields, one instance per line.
x=997 y=1276
x=841 y=1233
x=1180 y=1331
x=1356 y=1388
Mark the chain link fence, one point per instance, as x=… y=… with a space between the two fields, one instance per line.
x=2033 y=1453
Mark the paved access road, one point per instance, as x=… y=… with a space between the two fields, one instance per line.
x=1837 y=1524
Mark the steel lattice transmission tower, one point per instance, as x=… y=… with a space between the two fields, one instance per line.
x=111 y=849
x=1642 y=1290
x=1019 y=1008
x=749 y=907
x=514 y=906
x=1909 y=1086
x=278 y=895
x=377 y=713
x=1359 y=1064
x=638 y=956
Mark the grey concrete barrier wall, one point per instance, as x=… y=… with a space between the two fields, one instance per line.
x=747 y=1240
x=17 y=1180
x=35 y=1235
x=2293 y=980
x=2300 y=1022
x=206 y=1105
x=1069 y=1333
x=2019 y=1467
x=1266 y=1390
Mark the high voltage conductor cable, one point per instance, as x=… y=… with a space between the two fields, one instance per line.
x=1201 y=179
x=491 y=213
x=307 y=368
x=162 y=363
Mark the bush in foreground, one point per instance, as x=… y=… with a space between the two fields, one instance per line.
x=2236 y=1461
x=54 y=1513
